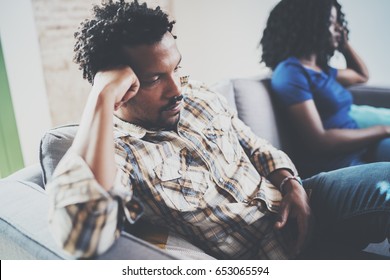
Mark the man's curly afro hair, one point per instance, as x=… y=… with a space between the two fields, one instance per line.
x=299 y=28
x=116 y=24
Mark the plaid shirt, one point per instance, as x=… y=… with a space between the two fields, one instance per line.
x=206 y=181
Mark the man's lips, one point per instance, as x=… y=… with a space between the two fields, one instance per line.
x=175 y=107
x=174 y=104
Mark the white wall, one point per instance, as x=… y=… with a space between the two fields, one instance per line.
x=369 y=23
x=24 y=70
x=218 y=38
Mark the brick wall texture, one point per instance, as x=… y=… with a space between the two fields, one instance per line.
x=56 y=22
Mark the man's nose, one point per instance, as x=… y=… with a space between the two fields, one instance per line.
x=174 y=86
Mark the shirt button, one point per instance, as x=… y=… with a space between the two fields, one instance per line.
x=221 y=180
x=180 y=172
x=245 y=201
x=204 y=152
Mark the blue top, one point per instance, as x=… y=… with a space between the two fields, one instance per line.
x=293 y=83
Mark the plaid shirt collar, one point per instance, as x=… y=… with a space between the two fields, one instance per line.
x=124 y=128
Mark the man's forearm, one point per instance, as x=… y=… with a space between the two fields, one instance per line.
x=94 y=141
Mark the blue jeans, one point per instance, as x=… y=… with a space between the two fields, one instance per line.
x=382 y=150
x=351 y=207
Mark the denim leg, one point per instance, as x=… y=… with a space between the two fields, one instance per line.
x=382 y=150
x=351 y=206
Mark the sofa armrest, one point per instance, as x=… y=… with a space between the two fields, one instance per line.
x=24 y=222
x=32 y=173
x=371 y=95
x=25 y=234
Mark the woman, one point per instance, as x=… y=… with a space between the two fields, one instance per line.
x=298 y=41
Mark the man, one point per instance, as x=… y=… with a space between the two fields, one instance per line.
x=152 y=145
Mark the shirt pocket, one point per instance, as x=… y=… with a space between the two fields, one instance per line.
x=221 y=135
x=173 y=185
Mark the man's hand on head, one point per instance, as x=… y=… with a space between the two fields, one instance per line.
x=118 y=84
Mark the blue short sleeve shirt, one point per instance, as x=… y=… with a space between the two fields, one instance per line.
x=293 y=83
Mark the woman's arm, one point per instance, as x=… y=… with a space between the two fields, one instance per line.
x=319 y=140
x=356 y=71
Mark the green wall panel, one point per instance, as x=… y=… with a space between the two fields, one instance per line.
x=11 y=158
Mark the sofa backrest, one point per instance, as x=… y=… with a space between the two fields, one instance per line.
x=255 y=106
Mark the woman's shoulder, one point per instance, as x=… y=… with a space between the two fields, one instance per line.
x=290 y=62
x=289 y=69
x=291 y=82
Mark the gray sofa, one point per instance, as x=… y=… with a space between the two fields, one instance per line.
x=24 y=232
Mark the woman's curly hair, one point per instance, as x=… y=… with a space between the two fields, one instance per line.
x=299 y=28
x=114 y=25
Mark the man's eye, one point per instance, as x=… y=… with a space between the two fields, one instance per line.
x=150 y=82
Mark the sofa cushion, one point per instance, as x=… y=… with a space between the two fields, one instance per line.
x=54 y=145
x=255 y=108
x=225 y=87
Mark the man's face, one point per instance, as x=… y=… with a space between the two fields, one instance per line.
x=156 y=67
